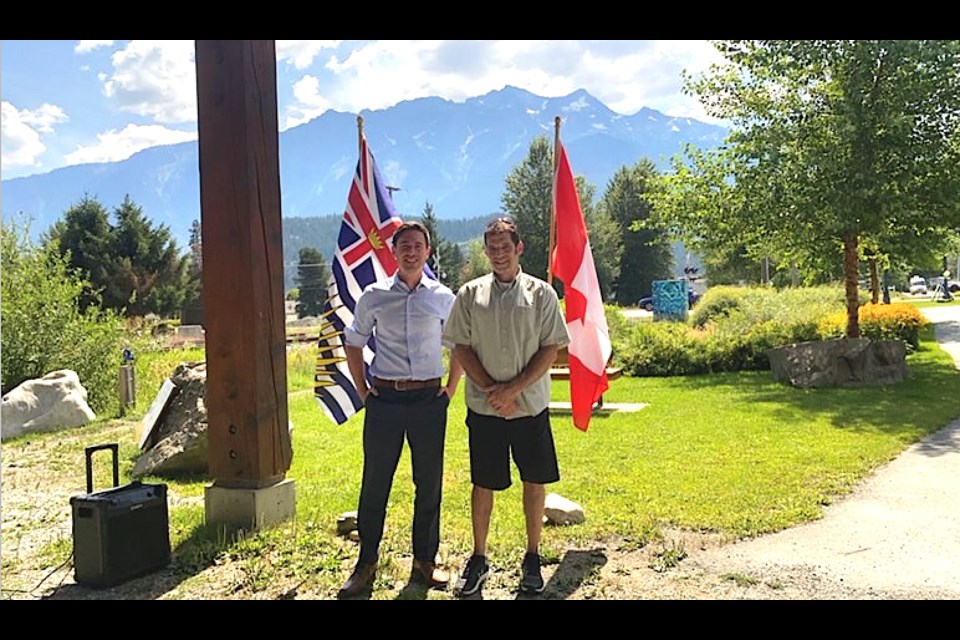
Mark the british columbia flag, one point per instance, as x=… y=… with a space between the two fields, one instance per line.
x=363 y=256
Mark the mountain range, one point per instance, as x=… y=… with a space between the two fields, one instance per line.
x=454 y=155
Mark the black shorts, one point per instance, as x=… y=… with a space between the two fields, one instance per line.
x=492 y=439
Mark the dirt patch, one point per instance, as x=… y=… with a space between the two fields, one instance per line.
x=36 y=513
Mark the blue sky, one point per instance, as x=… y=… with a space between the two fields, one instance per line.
x=68 y=102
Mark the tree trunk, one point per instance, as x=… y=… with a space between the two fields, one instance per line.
x=850 y=241
x=874 y=281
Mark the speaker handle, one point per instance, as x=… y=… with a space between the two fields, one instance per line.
x=89 y=451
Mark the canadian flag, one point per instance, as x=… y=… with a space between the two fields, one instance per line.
x=572 y=263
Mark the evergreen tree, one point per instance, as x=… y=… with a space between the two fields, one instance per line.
x=646 y=254
x=193 y=295
x=312 y=276
x=528 y=200
x=82 y=236
x=134 y=266
x=606 y=242
x=446 y=258
x=196 y=249
x=429 y=220
x=148 y=273
x=452 y=262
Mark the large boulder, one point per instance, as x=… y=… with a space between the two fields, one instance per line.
x=178 y=443
x=844 y=362
x=55 y=401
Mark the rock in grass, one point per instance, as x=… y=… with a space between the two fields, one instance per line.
x=560 y=511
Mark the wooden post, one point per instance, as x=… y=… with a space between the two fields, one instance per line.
x=246 y=392
x=128 y=388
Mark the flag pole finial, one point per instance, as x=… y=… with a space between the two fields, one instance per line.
x=360 y=133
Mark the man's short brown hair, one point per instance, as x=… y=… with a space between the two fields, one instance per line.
x=406 y=226
x=502 y=225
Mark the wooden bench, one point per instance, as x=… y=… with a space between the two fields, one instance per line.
x=561 y=370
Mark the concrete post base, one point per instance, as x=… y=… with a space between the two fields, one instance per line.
x=250 y=509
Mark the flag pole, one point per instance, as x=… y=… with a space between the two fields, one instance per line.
x=360 y=134
x=553 y=202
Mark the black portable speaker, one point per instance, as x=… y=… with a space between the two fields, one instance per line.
x=118 y=533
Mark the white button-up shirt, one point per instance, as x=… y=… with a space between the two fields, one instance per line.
x=405 y=326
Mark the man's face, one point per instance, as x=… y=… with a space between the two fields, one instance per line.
x=504 y=255
x=411 y=251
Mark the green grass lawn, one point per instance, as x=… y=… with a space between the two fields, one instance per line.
x=736 y=453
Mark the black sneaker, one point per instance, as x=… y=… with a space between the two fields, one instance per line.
x=532 y=581
x=472 y=577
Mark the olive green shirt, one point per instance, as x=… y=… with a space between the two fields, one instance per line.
x=506 y=324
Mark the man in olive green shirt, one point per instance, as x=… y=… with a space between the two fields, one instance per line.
x=507 y=327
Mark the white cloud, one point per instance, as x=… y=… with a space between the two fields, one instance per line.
x=155 y=78
x=648 y=77
x=309 y=105
x=21 y=133
x=113 y=145
x=625 y=75
x=86 y=46
x=300 y=53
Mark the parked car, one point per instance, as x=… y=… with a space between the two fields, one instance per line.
x=953 y=286
x=918 y=285
x=646 y=302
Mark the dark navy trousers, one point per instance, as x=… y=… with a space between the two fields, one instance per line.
x=420 y=418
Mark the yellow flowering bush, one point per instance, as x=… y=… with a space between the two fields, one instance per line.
x=896 y=321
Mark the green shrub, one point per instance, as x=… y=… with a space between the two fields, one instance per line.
x=617 y=324
x=716 y=303
x=730 y=329
x=656 y=349
x=43 y=327
x=804 y=305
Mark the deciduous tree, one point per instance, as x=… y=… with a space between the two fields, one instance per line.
x=44 y=327
x=832 y=142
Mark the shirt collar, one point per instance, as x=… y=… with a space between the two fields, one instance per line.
x=506 y=286
x=397 y=283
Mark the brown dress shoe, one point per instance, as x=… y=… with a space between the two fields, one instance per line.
x=427 y=573
x=360 y=581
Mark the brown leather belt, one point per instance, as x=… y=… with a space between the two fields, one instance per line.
x=406 y=385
